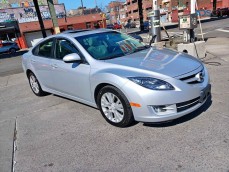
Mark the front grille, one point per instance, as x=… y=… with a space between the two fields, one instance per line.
x=188 y=104
x=195 y=78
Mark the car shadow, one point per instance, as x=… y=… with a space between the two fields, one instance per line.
x=183 y=119
x=8 y=55
x=174 y=122
x=132 y=124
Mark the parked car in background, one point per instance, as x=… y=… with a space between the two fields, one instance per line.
x=130 y=25
x=122 y=77
x=9 y=47
x=147 y=25
x=220 y=12
x=110 y=26
x=117 y=26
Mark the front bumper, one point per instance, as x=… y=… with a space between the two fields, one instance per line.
x=187 y=109
x=185 y=99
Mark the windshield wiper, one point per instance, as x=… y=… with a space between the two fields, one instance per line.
x=112 y=57
x=141 y=48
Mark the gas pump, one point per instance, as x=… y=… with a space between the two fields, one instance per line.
x=187 y=23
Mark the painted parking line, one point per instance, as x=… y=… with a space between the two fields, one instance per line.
x=222 y=30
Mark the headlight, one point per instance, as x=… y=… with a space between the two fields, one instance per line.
x=152 y=83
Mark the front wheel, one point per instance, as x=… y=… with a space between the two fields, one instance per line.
x=115 y=107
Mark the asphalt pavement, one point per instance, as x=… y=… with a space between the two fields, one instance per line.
x=52 y=133
x=11 y=63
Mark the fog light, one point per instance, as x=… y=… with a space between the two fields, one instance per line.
x=165 y=109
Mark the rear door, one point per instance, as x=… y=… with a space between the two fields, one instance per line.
x=41 y=62
x=70 y=78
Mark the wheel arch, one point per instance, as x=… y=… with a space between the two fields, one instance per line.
x=98 y=88
x=110 y=79
x=28 y=71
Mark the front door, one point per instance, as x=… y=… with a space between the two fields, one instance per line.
x=70 y=78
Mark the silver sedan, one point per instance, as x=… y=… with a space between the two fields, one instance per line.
x=122 y=77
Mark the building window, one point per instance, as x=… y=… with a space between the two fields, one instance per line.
x=187 y=4
x=70 y=27
x=88 y=25
x=135 y=11
x=123 y=16
x=134 y=1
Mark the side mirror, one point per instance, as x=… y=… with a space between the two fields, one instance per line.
x=71 y=58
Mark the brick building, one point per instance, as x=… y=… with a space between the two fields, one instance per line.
x=169 y=9
x=30 y=35
x=115 y=11
x=81 y=11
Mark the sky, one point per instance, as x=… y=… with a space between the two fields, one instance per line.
x=74 y=4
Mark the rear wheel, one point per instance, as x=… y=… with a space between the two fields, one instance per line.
x=115 y=107
x=35 y=85
x=12 y=50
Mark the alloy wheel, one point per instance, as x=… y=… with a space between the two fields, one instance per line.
x=34 y=84
x=112 y=107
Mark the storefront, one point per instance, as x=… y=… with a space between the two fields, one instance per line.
x=9 y=31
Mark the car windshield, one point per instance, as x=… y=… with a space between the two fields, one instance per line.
x=108 y=45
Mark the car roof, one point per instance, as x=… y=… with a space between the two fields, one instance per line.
x=82 y=32
x=74 y=33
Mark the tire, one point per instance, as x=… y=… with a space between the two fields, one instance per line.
x=12 y=50
x=35 y=85
x=115 y=107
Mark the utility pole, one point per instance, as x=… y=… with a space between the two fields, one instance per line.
x=53 y=16
x=193 y=11
x=39 y=18
x=155 y=22
x=214 y=5
x=140 y=11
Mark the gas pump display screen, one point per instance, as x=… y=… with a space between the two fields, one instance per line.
x=184 y=22
x=188 y=21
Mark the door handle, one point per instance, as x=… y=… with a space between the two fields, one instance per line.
x=33 y=61
x=54 y=66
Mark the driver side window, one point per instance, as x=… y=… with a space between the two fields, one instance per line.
x=63 y=48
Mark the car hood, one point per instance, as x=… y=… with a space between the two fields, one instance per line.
x=162 y=61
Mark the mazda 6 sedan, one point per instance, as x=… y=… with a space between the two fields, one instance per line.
x=122 y=77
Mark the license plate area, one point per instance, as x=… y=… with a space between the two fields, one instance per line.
x=205 y=93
